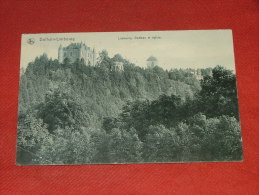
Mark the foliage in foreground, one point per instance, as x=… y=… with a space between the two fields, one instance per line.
x=199 y=139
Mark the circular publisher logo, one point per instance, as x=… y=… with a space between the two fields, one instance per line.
x=31 y=41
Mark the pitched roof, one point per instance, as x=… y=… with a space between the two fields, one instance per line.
x=152 y=58
x=76 y=45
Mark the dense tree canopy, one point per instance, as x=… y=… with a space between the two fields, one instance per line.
x=219 y=93
x=73 y=113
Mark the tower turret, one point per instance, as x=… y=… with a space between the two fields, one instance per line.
x=152 y=62
x=60 y=54
x=94 y=57
x=81 y=51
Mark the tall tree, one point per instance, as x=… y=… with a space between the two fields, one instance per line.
x=32 y=133
x=124 y=146
x=61 y=109
x=161 y=145
x=219 y=93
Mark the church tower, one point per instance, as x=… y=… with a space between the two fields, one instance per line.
x=60 y=54
x=152 y=62
x=94 y=57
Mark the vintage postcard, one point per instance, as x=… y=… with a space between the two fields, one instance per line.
x=128 y=97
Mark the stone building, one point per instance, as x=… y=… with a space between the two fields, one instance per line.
x=118 y=63
x=152 y=62
x=197 y=74
x=118 y=66
x=76 y=51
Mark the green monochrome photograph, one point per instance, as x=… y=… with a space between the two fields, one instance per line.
x=128 y=97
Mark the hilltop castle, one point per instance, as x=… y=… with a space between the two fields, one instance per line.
x=76 y=51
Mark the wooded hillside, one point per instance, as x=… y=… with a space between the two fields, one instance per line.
x=71 y=113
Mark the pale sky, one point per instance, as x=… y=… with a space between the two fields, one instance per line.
x=174 y=49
